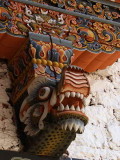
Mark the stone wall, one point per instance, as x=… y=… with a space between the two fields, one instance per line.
x=8 y=136
x=101 y=138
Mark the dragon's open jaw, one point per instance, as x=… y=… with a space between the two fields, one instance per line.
x=73 y=88
x=64 y=103
x=70 y=111
x=71 y=101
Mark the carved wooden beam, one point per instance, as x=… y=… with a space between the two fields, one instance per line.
x=35 y=54
x=89 y=25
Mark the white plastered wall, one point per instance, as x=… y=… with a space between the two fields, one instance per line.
x=101 y=138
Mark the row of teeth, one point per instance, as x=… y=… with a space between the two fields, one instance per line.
x=70 y=108
x=74 y=67
x=71 y=94
x=71 y=124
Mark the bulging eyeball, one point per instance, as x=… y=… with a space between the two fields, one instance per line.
x=44 y=93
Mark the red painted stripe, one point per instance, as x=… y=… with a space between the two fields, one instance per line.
x=77 y=85
x=75 y=77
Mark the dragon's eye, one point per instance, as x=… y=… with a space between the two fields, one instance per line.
x=44 y=93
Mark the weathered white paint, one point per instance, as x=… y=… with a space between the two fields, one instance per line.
x=8 y=136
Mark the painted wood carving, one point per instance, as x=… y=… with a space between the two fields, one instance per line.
x=92 y=28
x=56 y=40
x=53 y=112
x=48 y=96
x=77 y=24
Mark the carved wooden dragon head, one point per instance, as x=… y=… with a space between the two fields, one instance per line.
x=55 y=108
x=48 y=95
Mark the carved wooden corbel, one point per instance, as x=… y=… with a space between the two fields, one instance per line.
x=48 y=95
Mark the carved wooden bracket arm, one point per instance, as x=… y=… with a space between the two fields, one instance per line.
x=48 y=95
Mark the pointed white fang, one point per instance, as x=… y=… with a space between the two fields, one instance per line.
x=61 y=97
x=72 y=108
x=76 y=126
x=81 y=96
x=61 y=107
x=67 y=108
x=70 y=126
x=53 y=99
x=65 y=126
x=81 y=127
x=67 y=94
x=72 y=94
x=77 y=108
x=71 y=66
x=78 y=95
